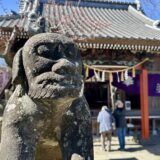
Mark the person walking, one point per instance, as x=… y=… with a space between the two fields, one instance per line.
x=120 y=122
x=105 y=127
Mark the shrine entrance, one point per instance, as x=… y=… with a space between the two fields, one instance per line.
x=105 y=85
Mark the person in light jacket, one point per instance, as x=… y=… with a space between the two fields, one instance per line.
x=105 y=127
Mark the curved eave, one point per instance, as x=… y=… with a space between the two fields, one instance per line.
x=113 y=1
x=120 y=44
x=150 y=45
x=5 y=33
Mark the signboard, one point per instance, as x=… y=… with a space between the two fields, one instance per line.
x=128 y=105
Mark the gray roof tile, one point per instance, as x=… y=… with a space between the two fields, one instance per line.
x=99 y=22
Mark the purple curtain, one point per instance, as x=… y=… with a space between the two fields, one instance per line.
x=153 y=85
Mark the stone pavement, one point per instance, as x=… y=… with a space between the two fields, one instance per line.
x=134 y=151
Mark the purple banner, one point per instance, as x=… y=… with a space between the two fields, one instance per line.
x=153 y=85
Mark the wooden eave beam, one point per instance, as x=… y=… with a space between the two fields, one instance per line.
x=6 y=29
x=120 y=41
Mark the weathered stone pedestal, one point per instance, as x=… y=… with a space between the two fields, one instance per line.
x=48 y=150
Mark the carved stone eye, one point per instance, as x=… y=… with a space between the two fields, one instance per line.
x=43 y=50
x=61 y=48
x=71 y=51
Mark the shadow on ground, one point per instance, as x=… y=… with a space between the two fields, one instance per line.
x=99 y=145
x=152 y=145
x=130 y=149
x=125 y=159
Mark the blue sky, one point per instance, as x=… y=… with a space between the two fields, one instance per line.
x=7 y=5
x=151 y=8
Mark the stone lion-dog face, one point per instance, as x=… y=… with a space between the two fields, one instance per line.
x=52 y=66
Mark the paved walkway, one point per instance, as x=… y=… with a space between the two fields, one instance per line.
x=134 y=151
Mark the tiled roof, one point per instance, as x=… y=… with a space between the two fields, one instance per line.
x=100 y=24
x=98 y=27
x=7 y=23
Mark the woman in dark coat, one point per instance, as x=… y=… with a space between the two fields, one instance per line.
x=120 y=122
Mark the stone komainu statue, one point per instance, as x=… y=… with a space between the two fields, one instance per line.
x=48 y=101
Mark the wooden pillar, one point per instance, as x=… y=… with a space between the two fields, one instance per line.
x=144 y=104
